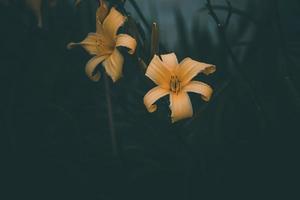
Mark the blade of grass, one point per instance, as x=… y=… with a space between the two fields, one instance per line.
x=234 y=69
x=233 y=11
x=140 y=13
x=283 y=67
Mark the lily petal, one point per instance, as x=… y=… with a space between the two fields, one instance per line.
x=127 y=41
x=89 y=44
x=158 y=73
x=91 y=67
x=201 y=88
x=152 y=96
x=170 y=61
x=189 y=68
x=113 y=22
x=181 y=106
x=101 y=14
x=114 y=64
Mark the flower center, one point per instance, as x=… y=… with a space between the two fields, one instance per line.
x=99 y=44
x=175 y=85
x=103 y=46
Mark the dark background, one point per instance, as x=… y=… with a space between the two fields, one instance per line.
x=243 y=144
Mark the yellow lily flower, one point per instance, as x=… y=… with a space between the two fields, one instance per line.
x=175 y=79
x=103 y=44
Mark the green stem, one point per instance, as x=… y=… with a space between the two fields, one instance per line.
x=112 y=130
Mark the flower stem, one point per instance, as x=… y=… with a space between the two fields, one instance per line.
x=112 y=130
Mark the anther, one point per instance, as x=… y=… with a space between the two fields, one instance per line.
x=175 y=85
x=98 y=44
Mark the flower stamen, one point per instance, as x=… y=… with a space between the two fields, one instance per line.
x=175 y=85
x=99 y=43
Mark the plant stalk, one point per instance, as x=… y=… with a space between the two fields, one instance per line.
x=111 y=124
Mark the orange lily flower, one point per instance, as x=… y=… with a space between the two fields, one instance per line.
x=103 y=44
x=175 y=79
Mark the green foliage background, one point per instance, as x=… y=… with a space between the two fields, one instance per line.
x=240 y=145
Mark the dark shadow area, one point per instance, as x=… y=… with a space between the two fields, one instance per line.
x=243 y=144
